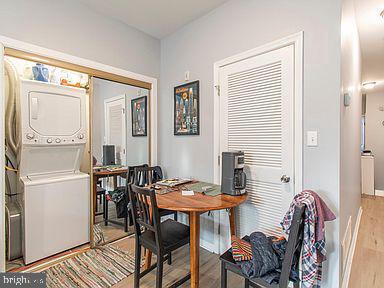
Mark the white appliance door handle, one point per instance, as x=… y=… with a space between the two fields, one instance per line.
x=34 y=107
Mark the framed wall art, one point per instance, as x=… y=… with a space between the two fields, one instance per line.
x=139 y=116
x=186 y=109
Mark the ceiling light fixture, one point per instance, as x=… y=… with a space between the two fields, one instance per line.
x=369 y=85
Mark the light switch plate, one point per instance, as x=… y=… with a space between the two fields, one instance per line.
x=312 y=138
x=186 y=75
x=347 y=99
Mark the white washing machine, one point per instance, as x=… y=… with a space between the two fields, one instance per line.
x=55 y=195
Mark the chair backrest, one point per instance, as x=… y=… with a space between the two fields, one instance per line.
x=131 y=172
x=294 y=245
x=145 y=213
x=145 y=176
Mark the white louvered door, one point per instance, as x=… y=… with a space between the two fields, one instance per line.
x=115 y=127
x=257 y=117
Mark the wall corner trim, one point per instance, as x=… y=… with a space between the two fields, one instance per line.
x=351 y=252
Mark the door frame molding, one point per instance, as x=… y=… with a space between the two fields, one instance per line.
x=94 y=68
x=297 y=40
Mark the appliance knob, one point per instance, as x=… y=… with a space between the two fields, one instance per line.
x=58 y=140
x=80 y=136
x=30 y=136
x=49 y=140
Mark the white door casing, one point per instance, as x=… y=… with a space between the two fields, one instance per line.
x=259 y=106
x=115 y=126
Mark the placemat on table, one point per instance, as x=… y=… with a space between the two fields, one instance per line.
x=198 y=187
x=165 y=190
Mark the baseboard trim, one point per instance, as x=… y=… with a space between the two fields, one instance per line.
x=379 y=193
x=351 y=253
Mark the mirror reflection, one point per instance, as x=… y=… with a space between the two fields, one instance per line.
x=119 y=141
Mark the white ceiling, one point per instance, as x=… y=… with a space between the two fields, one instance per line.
x=157 y=18
x=371 y=30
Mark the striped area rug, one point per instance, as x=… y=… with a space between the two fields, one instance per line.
x=96 y=268
x=98 y=235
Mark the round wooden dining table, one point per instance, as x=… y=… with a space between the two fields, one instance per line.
x=194 y=206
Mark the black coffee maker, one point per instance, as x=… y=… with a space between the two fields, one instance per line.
x=233 y=178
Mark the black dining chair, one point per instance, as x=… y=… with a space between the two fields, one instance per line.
x=129 y=178
x=291 y=258
x=150 y=175
x=100 y=192
x=100 y=195
x=160 y=238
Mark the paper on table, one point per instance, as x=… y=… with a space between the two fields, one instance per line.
x=187 y=193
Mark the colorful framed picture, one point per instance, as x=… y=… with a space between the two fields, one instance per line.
x=139 y=116
x=186 y=109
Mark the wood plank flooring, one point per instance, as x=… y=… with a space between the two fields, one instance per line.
x=209 y=269
x=368 y=262
x=112 y=231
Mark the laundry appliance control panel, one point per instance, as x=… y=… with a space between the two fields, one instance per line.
x=34 y=138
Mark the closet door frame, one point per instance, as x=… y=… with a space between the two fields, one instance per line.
x=24 y=50
x=296 y=40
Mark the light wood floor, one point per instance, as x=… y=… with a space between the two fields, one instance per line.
x=368 y=262
x=112 y=231
x=209 y=269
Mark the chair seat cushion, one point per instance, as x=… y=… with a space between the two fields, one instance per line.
x=173 y=233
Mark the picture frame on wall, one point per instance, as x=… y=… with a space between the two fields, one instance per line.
x=187 y=109
x=139 y=116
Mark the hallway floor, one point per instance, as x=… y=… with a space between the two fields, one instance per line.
x=368 y=261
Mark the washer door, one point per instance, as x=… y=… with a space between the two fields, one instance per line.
x=56 y=215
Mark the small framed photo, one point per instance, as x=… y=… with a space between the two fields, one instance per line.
x=186 y=109
x=139 y=116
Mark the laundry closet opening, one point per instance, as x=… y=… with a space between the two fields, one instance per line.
x=71 y=133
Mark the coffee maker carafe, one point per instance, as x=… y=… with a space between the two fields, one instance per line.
x=233 y=178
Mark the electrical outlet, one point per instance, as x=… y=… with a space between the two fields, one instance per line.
x=186 y=76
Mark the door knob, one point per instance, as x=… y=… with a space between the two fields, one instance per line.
x=285 y=179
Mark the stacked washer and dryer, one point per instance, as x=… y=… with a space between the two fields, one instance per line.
x=53 y=194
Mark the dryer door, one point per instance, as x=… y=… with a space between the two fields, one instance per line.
x=52 y=114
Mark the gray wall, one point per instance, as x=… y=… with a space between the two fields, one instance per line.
x=137 y=147
x=70 y=27
x=350 y=175
x=375 y=134
x=240 y=25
